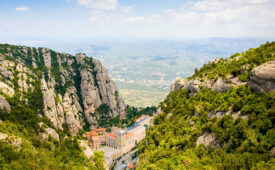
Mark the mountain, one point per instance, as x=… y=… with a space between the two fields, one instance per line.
x=129 y=62
x=222 y=117
x=47 y=99
x=70 y=88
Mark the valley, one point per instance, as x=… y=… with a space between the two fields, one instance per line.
x=57 y=101
x=137 y=85
x=144 y=70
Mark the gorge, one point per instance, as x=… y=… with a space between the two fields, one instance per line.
x=221 y=117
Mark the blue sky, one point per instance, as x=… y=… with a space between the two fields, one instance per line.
x=78 y=20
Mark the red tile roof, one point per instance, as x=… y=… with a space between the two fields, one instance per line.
x=101 y=130
x=93 y=133
x=130 y=165
x=112 y=135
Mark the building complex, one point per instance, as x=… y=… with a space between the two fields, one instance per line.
x=119 y=141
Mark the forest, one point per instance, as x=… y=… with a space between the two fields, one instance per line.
x=240 y=123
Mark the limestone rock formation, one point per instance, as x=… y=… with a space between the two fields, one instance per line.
x=88 y=152
x=48 y=132
x=13 y=140
x=4 y=88
x=4 y=105
x=263 y=77
x=207 y=139
x=71 y=87
x=194 y=85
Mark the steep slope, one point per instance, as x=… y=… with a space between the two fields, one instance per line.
x=221 y=118
x=66 y=89
x=47 y=99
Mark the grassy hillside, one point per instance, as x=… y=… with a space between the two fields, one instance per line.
x=243 y=139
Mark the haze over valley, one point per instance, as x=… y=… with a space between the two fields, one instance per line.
x=144 y=70
x=137 y=84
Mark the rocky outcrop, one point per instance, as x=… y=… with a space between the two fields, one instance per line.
x=220 y=115
x=97 y=88
x=193 y=85
x=72 y=111
x=73 y=87
x=178 y=85
x=4 y=88
x=262 y=79
x=196 y=84
x=88 y=152
x=4 y=105
x=47 y=57
x=13 y=140
x=48 y=132
x=49 y=103
x=207 y=139
x=108 y=91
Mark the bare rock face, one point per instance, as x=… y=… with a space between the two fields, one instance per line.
x=72 y=87
x=178 y=85
x=88 y=152
x=108 y=91
x=97 y=88
x=13 y=140
x=6 y=73
x=4 y=88
x=47 y=57
x=223 y=85
x=49 y=132
x=262 y=79
x=195 y=85
x=90 y=95
x=49 y=103
x=220 y=86
x=72 y=111
x=4 y=105
x=207 y=139
x=220 y=115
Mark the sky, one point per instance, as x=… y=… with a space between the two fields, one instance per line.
x=34 y=21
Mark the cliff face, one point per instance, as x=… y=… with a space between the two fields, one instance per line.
x=71 y=87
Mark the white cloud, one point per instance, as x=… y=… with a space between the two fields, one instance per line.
x=22 y=8
x=93 y=18
x=126 y=10
x=212 y=18
x=101 y=5
x=194 y=19
x=134 y=19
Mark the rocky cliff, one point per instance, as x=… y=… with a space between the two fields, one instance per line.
x=70 y=88
x=239 y=69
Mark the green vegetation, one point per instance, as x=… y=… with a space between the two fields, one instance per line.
x=132 y=113
x=244 y=135
x=106 y=121
x=250 y=59
x=36 y=153
x=22 y=122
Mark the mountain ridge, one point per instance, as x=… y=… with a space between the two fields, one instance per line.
x=71 y=87
x=218 y=118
